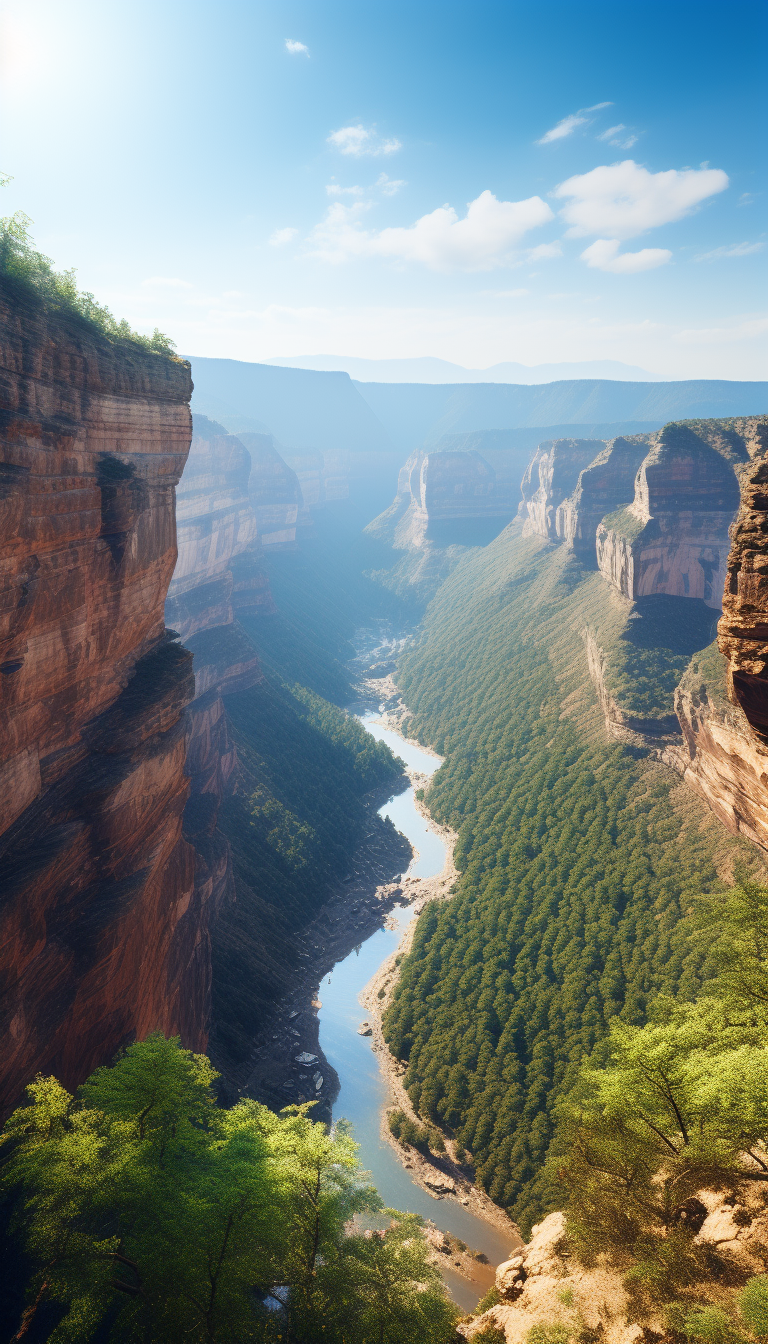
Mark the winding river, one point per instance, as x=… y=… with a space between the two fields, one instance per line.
x=364 y=1090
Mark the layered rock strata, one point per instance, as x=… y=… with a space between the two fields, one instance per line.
x=717 y=738
x=743 y=629
x=603 y=486
x=551 y=476
x=673 y=537
x=219 y=573
x=103 y=938
x=437 y=493
x=273 y=490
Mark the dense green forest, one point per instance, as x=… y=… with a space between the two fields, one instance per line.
x=578 y=858
x=144 y=1212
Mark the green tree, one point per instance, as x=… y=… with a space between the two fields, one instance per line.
x=150 y=1214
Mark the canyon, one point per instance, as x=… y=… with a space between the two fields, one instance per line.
x=192 y=828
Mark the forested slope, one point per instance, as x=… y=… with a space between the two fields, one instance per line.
x=578 y=857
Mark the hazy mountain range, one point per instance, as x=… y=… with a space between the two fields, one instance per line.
x=325 y=410
x=430 y=370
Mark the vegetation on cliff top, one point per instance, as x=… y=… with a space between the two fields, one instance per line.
x=28 y=270
x=578 y=859
x=148 y=1213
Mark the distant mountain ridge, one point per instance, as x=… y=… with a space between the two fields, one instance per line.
x=307 y=409
x=428 y=369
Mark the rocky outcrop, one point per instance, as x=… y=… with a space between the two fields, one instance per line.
x=720 y=757
x=743 y=629
x=103 y=938
x=673 y=537
x=551 y=477
x=545 y=1286
x=273 y=490
x=606 y=484
x=219 y=574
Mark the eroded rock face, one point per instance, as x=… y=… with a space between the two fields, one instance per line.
x=550 y=478
x=219 y=573
x=274 y=491
x=673 y=537
x=743 y=629
x=103 y=939
x=441 y=496
x=606 y=484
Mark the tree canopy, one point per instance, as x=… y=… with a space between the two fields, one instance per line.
x=149 y=1213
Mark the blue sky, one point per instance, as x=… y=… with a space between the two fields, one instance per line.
x=479 y=181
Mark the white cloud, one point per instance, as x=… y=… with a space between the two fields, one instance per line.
x=570 y=124
x=565 y=127
x=166 y=282
x=624 y=199
x=296 y=48
x=390 y=186
x=482 y=240
x=282 y=236
x=732 y=250
x=333 y=189
x=625 y=142
x=746 y=198
x=604 y=255
x=362 y=141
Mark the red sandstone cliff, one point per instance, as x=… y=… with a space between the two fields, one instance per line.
x=102 y=940
x=550 y=478
x=673 y=537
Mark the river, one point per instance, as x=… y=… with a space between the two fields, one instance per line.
x=364 y=1091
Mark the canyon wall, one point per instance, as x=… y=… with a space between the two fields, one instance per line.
x=550 y=478
x=673 y=536
x=601 y=487
x=103 y=936
x=219 y=575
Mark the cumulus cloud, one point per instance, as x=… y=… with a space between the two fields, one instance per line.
x=333 y=189
x=570 y=124
x=484 y=239
x=732 y=250
x=282 y=236
x=362 y=141
x=296 y=48
x=624 y=199
x=604 y=255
